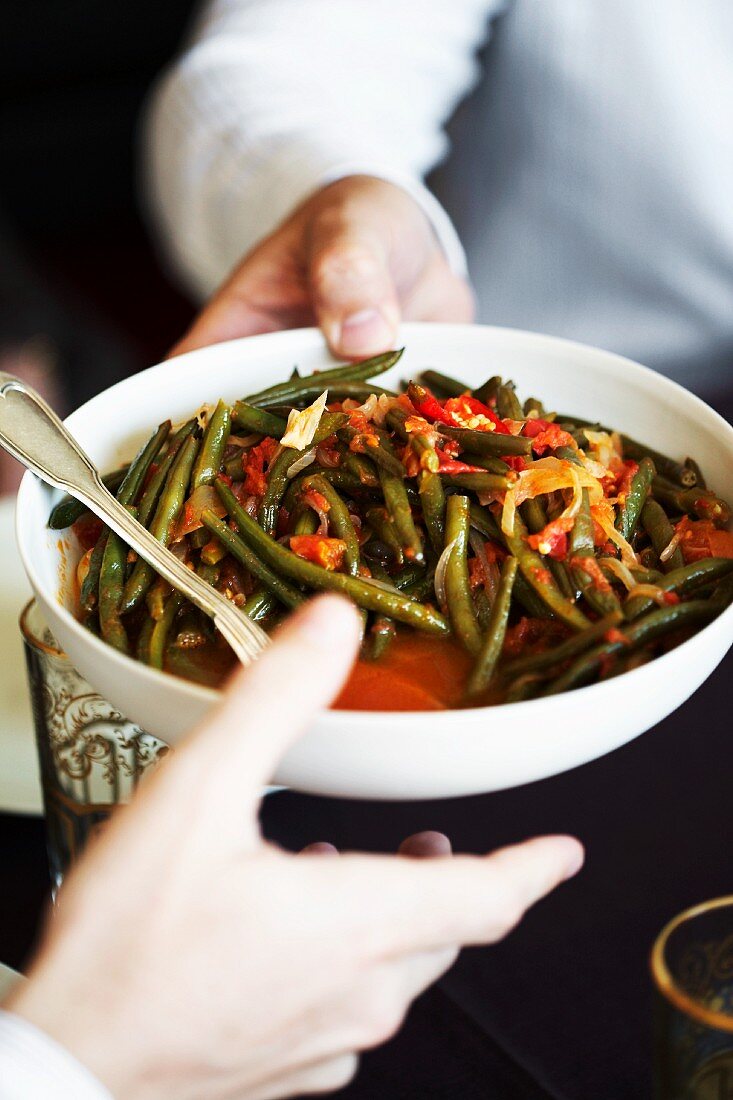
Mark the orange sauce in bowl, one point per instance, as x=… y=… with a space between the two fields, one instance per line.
x=418 y=672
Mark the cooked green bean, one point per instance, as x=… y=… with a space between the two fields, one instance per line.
x=458 y=597
x=211 y=453
x=69 y=509
x=491 y=646
x=278 y=472
x=559 y=655
x=364 y=595
x=152 y=491
x=695 y=502
x=630 y=510
x=650 y=628
x=697 y=473
x=239 y=549
x=259 y=605
x=338 y=519
x=540 y=578
x=507 y=403
x=534 y=515
x=488 y=392
x=479 y=483
x=161 y=528
x=655 y=522
x=89 y=595
x=398 y=507
x=432 y=499
x=600 y=597
x=487 y=443
x=111 y=585
x=383 y=527
x=162 y=628
x=373 y=445
x=436 y=381
x=317 y=383
x=682 y=582
x=258 y=420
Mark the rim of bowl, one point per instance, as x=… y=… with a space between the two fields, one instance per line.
x=311 y=336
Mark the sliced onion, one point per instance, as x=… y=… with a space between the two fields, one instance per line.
x=203 y=497
x=375 y=582
x=329 y=459
x=649 y=591
x=619 y=570
x=301 y=463
x=439 y=581
x=671 y=545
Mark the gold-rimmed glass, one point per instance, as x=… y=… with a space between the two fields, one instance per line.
x=692 y=968
x=91 y=757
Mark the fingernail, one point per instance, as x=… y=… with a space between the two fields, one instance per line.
x=330 y=622
x=366 y=332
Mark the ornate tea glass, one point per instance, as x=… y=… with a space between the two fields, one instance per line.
x=692 y=967
x=91 y=758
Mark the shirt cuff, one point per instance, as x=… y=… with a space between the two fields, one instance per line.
x=33 y=1066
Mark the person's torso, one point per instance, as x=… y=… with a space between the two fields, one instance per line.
x=591 y=179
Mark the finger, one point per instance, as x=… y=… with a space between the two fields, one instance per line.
x=425 y=904
x=319 y=848
x=352 y=290
x=425 y=845
x=266 y=707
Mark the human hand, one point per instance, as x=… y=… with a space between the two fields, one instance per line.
x=355 y=258
x=191 y=958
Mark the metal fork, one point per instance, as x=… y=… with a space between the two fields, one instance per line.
x=32 y=432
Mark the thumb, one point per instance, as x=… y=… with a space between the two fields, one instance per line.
x=352 y=291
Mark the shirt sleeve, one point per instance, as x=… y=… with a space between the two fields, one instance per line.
x=272 y=99
x=35 y=1067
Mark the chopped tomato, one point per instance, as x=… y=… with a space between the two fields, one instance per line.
x=615 y=635
x=470 y=413
x=516 y=462
x=87 y=529
x=553 y=538
x=449 y=465
x=590 y=566
x=320 y=549
x=317 y=500
x=546 y=436
x=256 y=461
x=701 y=539
x=533 y=636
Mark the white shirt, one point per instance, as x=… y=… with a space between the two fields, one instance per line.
x=590 y=176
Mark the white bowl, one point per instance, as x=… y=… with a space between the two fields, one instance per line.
x=385 y=754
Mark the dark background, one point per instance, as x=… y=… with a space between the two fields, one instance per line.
x=563 y=1008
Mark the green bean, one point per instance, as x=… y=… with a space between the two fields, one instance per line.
x=524 y=687
x=383 y=527
x=693 y=468
x=234 y=465
x=457 y=585
x=211 y=454
x=306 y=522
x=259 y=605
x=486 y=462
x=69 y=509
x=507 y=404
x=142 y=649
x=485 y=522
x=364 y=595
x=525 y=594
x=487 y=443
x=560 y=654
x=423 y=588
x=398 y=507
x=161 y=527
x=162 y=628
x=432 y=500
x=489 y=391
x=339 y=519
x=350 y=372
x=602 y=600
x=535 y=517
x=89 y=595
x=630 y=509
x=534 y=405
x=479 y=483
x=652 y=627
x=375 y=445
x=277 y=474
x=286 y=593
x=154 y=488
x=362 y=468
x=682 y=581
x=655 y=522
x=258 y=420
x=436 y=381
x=493 y=642
x=382 y=633
x=696 y=502
x=141 y=463
x=539 y=577
x=111 y=585
x=664 y=465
